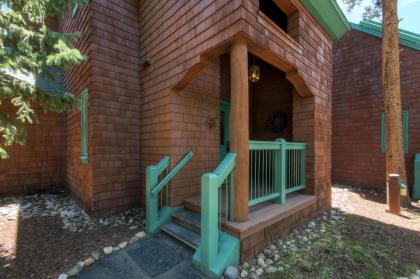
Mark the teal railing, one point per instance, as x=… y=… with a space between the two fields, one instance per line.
x=276 y=169
x=217 y=249
x=158 y=210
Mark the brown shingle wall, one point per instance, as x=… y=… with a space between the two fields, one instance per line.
x=78 y=78
x=39 y=164
x=175 y=33
x=358 y=103
x=273 y=93
x=115 y=95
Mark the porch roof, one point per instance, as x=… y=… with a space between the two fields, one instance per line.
x=329 y=16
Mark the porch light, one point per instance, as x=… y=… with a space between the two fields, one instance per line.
x=254 y=73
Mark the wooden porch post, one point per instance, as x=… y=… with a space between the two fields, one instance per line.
x=239 y=126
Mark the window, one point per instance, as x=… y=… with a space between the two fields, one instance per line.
x=84 y=127
x=405 y=132
x=273 y=12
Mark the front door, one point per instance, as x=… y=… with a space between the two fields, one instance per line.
x=224 y=129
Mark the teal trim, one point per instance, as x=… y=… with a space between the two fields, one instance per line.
x=263 y=199
x=405 y=131
x=383 y=134
x=329 y=15
x=217 y=249
x=172 y=173
x=84 y=131
x=295 y=188
x=154 y=217
x=408 y=39
x=416 y=187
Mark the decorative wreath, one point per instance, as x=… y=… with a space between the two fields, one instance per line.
x=277 y=121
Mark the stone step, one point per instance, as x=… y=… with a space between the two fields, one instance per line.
x=185 y=235
x=188 y=219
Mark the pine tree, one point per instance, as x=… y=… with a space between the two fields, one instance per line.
x=29 y=48
x=395 y=159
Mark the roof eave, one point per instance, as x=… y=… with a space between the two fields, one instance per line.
x=329 y=15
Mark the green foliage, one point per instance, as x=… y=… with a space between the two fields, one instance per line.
x=374 y=10
x=29 y=48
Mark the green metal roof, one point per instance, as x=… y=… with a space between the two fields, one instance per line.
x=374 y=28
x=329 y=16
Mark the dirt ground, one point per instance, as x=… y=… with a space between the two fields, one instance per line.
x=371 y=203
x=42 y=247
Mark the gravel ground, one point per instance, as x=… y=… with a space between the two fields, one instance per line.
x=43 y=235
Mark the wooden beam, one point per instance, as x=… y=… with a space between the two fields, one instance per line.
x=286 y=6
x=240 y=126
x=299 y=83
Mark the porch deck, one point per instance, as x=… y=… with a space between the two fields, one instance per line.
x=262 y=215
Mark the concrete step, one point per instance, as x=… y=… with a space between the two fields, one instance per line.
x=188 y=219
x=179 y=232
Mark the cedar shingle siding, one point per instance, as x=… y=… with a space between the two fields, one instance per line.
x=357 y=106
x=135 y=115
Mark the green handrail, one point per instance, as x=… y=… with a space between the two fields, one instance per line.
x=172 y=173
x=154 y=218
x=217 y=249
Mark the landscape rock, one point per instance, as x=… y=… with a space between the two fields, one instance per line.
x=133 y=239
x=107 y=250
x=62 y=276
x=269 y=262
x=123 y=244
x=244 y=274
x=62 y=205
x=96 y=255
x=271 y=269
x=74 y=270
x=231 y=272
x=261 y=263
x=259 y=271
x=89 y=261
x=267 y=252
x=141 y=234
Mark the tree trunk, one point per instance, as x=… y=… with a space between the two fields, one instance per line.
x=395 y=161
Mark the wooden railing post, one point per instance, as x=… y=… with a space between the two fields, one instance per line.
x=394 y=202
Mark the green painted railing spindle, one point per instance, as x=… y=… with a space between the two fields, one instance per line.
x=276 y=168
x=156 y=179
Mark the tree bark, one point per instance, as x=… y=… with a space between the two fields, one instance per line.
x=395 y=161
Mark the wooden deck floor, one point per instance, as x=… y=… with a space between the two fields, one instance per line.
x=262 y=215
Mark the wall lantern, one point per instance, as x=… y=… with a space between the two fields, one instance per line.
x=254 y=73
